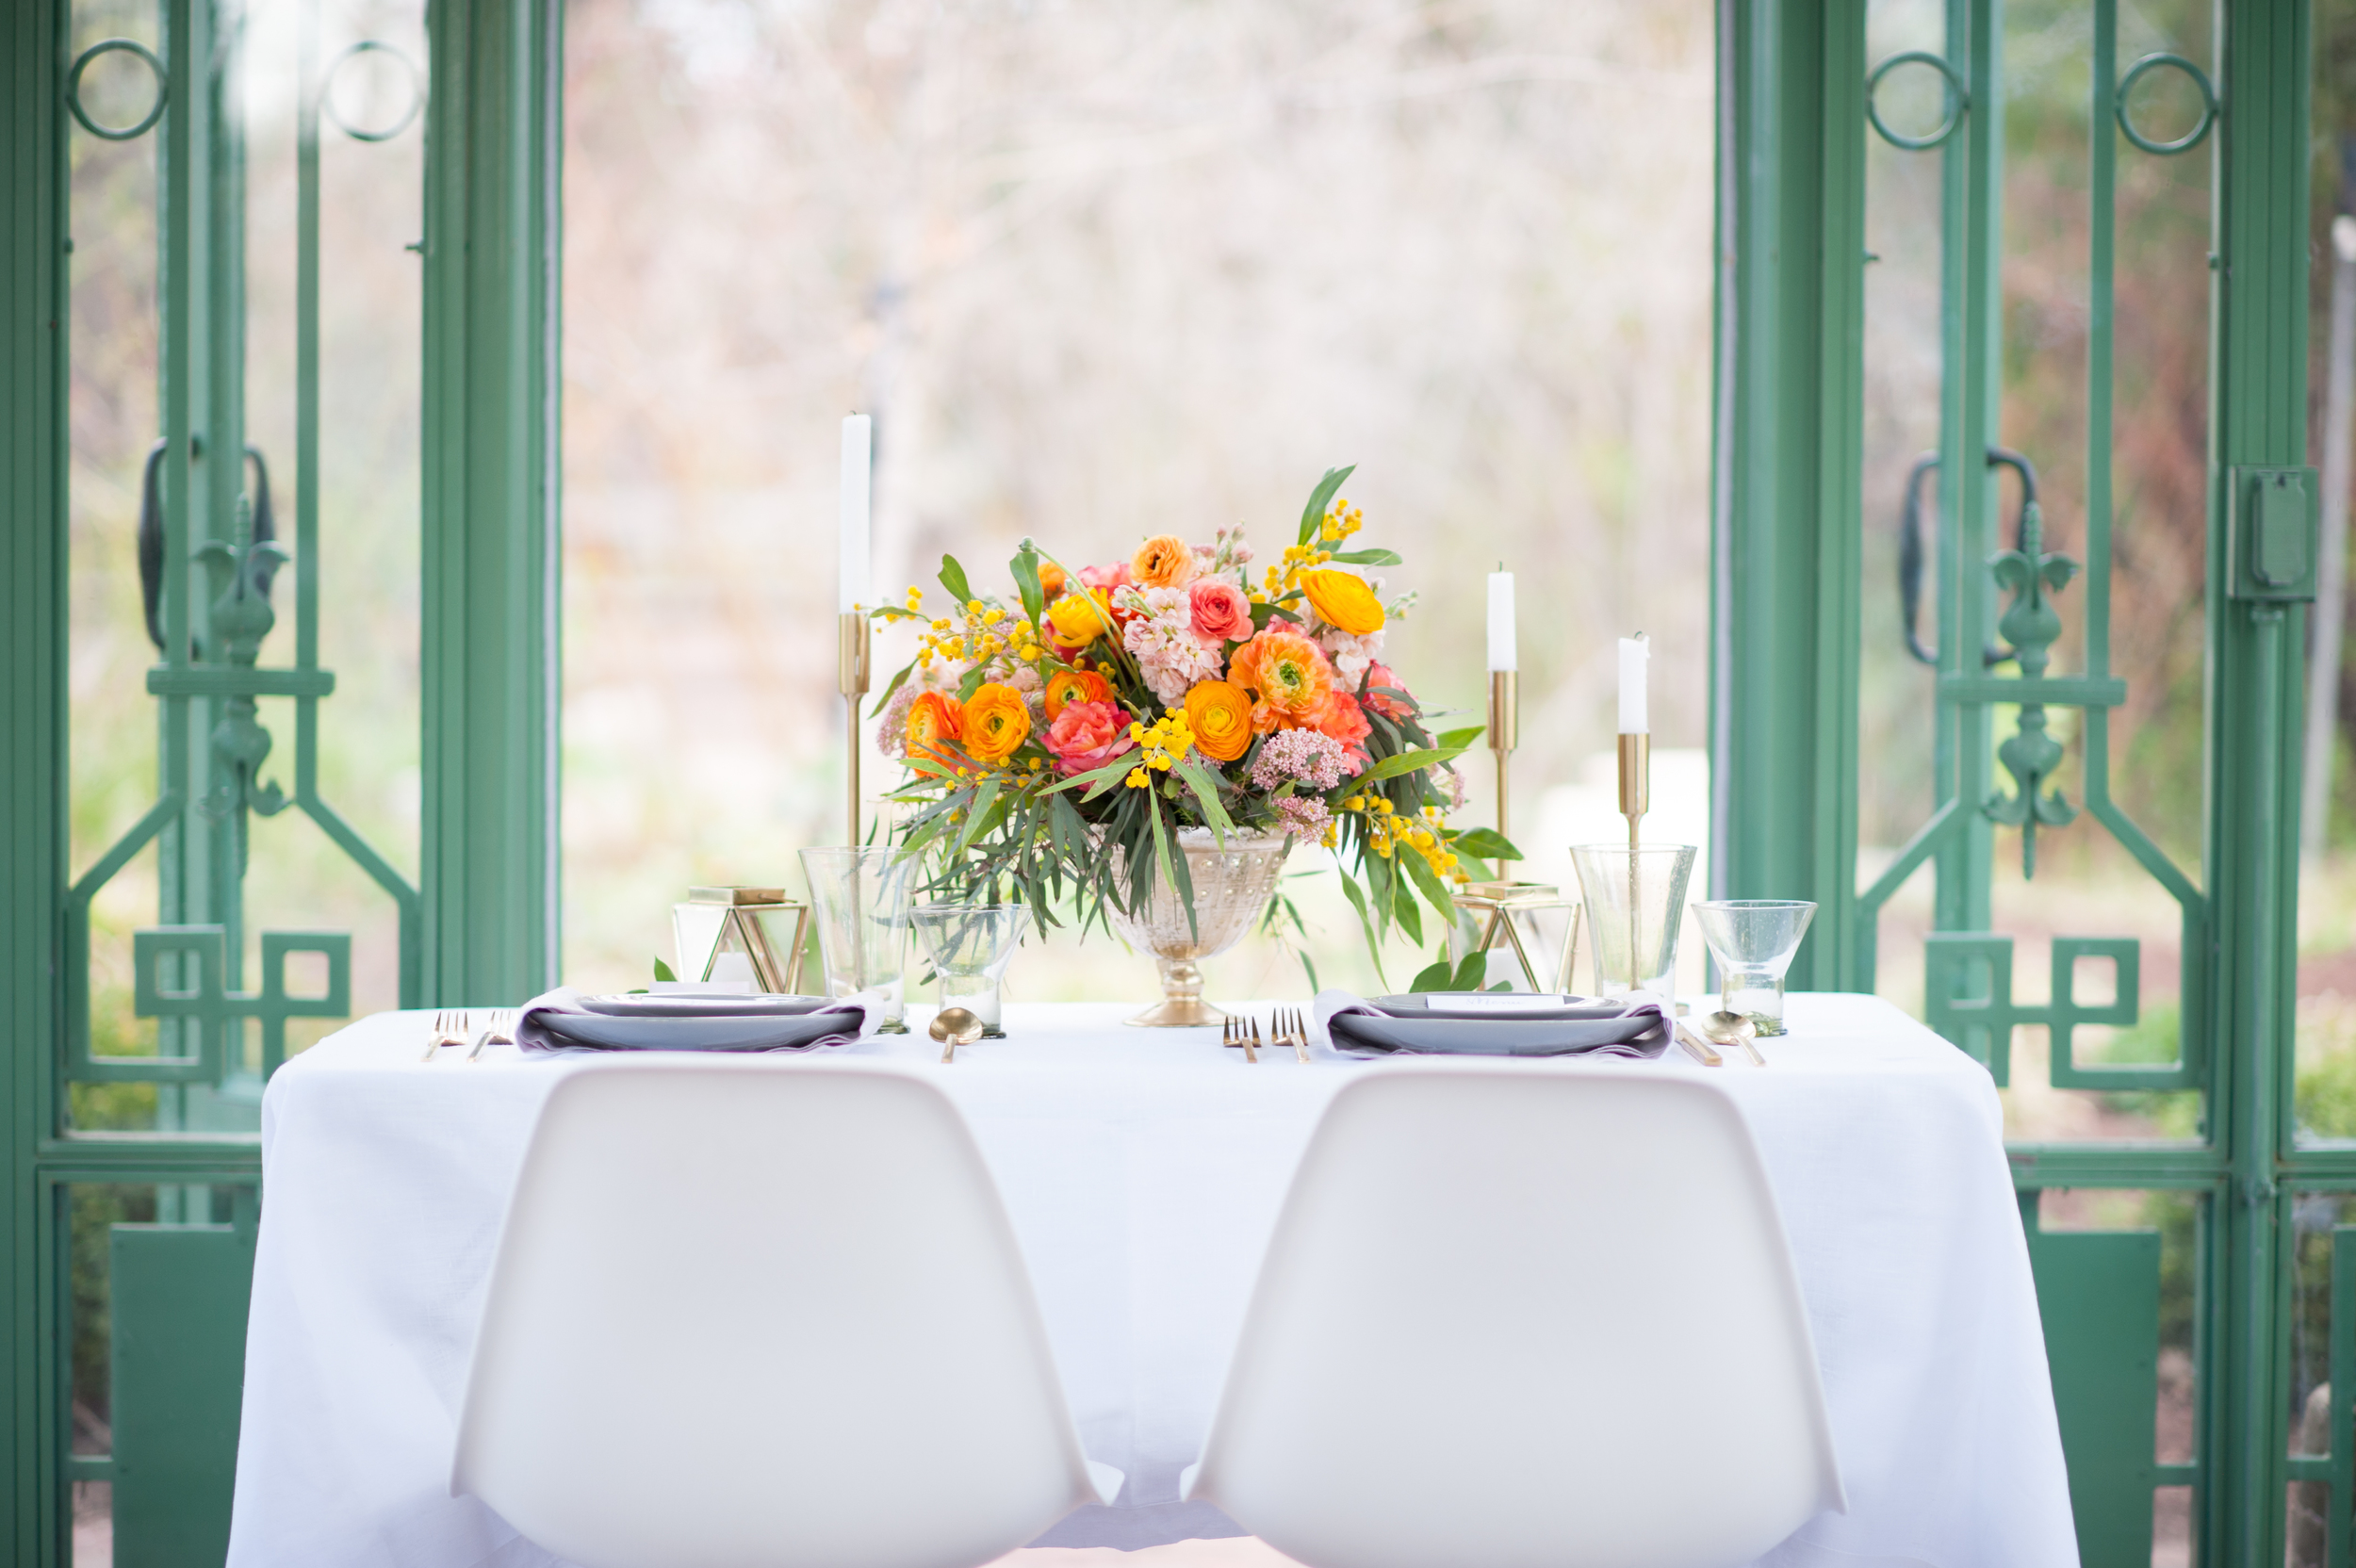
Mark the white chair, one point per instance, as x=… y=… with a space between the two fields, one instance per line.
x=763 y=1315
x=1524 y=1318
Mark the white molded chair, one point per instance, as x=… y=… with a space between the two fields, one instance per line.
x=763 y=1315
x=1525 y=1318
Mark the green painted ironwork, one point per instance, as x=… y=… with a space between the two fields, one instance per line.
x=491 y=194
x=2002 y=602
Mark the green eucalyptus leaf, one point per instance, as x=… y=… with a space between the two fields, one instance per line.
x=1405 y=763
x=897 y=681
x=1376 y=557
x=1457 y=739
x=1487 y=843
x=662 y=970
x=1024 y=567
x=953 y=579
x=1471 y=972
x=1427 y=883
x=1314 y=513
x=1366 y=924
x=1433 y=976
x=1403 y=909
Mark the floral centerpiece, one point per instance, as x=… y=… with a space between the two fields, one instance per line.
x=1063 y=742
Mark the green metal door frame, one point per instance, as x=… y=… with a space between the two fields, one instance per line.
x=1785 y=691
x=490 y=604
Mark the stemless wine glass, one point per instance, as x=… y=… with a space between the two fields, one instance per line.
x=970 y=945
x=862 y=899
x=1754 y=939
x=1635 y=901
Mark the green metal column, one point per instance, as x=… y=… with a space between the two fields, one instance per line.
x=491 y=555
x=1784 y=586
x=32 y=739
x=2258 y=417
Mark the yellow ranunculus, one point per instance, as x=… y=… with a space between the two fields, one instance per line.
x=1220 y=716
x=996 y=722
x=1343 y=601
x=1078 y=619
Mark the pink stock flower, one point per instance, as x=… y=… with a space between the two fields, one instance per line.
x=1087 y=735
x=1221 y=613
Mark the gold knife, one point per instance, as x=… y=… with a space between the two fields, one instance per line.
x=1698 y=1047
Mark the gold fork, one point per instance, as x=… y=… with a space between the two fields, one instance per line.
x=499 y=1031
x=1296 y=1031
x=449 y=1028
x=1246 y=1032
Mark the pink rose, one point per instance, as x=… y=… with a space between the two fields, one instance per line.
x=1110 y=581
x=1087 y=735
x=1389 y=707
x=1221 y=613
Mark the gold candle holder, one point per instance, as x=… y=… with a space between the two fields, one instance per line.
x=851 y=676
x=1635 y=799
x=1505 y=733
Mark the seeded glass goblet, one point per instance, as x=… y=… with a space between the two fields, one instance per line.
x=1635 y=901
x=1754 y=939
x=970 y=945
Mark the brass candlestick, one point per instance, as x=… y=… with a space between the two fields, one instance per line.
x=1505 y=733
x=1636 y=797
x=852 y=678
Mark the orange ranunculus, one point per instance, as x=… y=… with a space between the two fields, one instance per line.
x=1288 y=675
x=1051 y=579
x=1075 y=620
x=935 y=724
x=1164 y=561
x=1220 y=716
x=1343 y=601
x=1069 y=686
x=996 y=722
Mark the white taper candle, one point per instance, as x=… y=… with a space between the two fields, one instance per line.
x=1501 y=637
x=858 y=453
x=1634 y=653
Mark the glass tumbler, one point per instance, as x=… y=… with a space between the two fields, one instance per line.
x=1635 y=901
x=860 y=899
x=1754 y=939
x=970 y=945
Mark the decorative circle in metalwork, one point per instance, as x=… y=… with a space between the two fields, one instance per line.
x=2200 y=82
x=117 y=133
x=1958 y=99
x=417 y=90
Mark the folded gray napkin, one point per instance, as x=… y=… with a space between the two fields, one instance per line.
x=1495 y=1023
x=566 y=1019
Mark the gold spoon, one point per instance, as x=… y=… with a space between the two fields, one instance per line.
x=953 y=1027
x=1726 y=1028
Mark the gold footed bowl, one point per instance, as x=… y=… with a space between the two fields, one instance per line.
x=1233 y=883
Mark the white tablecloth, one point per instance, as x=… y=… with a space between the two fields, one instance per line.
x=1143 y=1171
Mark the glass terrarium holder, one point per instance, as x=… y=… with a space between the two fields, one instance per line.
x=1510 y=908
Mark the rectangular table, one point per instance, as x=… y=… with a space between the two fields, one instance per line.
x=1143 y=1171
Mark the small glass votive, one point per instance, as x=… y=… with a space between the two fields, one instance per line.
x=1754 y=940
x=1635 y=901
x=970 y=946
x=861 y=896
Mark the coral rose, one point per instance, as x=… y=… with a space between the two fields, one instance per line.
x=934 y=724
x=1220 y=716
x=1164 y=561
x=1087 y=735
x=1287 y=672
x=1070 y=686
x=1378 y=675
x=1075 y=620
x=1340 y=718
x=996 y=721
x=1343 y=601
x=1221 y=613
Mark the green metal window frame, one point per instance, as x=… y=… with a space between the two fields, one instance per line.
x=486 y=907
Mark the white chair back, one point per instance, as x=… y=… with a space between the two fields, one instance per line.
x=762 y=1315
x=1525 y=1317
